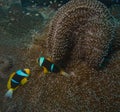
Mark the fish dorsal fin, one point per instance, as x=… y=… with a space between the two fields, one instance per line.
x=27 y=70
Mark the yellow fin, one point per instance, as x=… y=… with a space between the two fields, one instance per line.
x=24 y=81
x=64 y=73
x=9 y=80
x=45 y=70
x=49 y=59
x=27 y=70
x=15 y=88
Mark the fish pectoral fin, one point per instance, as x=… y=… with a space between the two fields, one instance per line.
x=49 y=59
x=24 y=81
x=64 y=73
x=45 y=70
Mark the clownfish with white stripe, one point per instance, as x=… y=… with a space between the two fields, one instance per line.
x=48 y=66
x=15 y=80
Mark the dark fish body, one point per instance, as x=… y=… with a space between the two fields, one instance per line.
x=16 y=79
x=50 y=67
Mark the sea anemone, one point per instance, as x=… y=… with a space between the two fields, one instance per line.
x=89 y=90
x=81 y=31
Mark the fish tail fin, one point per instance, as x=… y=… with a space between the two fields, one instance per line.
x=9 y=93
x=64 y=74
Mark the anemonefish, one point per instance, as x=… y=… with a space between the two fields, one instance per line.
x=16 y=79
x=49 y=66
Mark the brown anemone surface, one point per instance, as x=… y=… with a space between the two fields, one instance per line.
x=87 y=89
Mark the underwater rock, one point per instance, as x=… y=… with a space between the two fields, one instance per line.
x=53 y=4
x=2 y=14
x=7 y=3
x=22 y=21
x=81 y=31
x=46 y=12
x=115 y=11
x=108 y=3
